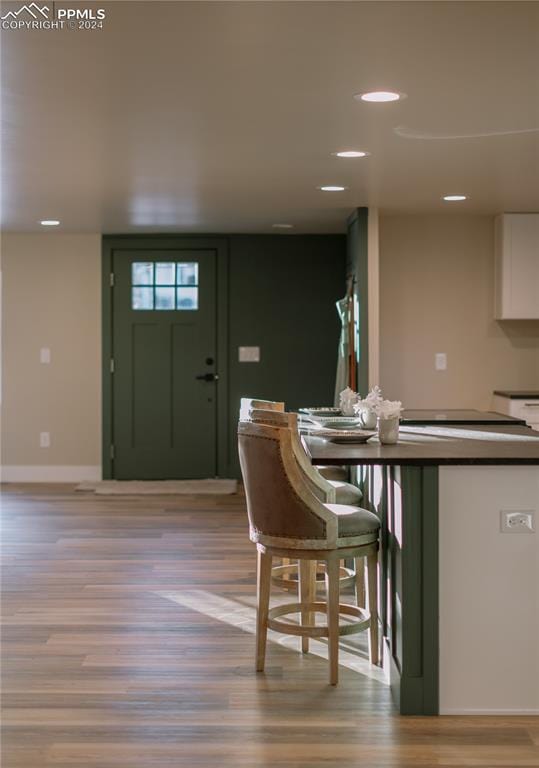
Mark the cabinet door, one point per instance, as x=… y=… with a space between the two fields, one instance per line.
x=529 y=410
x=517 y=266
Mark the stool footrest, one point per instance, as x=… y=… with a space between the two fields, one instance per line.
x=310 y=630
x=279 y=574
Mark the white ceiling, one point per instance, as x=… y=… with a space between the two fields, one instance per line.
x=222 y=116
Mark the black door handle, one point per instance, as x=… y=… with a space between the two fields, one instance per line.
x=207 y=377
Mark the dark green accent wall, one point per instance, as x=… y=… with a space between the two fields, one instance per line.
x=282 y=295
x=357 y=265
x=274 y=291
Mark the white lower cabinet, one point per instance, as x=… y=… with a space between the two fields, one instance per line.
x=521 y=408
x=489 y=592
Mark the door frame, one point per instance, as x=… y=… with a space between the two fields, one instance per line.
x=219 y=244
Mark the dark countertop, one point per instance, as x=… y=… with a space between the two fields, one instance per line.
x=516 y=394
x=456 y=416
x=435 y=445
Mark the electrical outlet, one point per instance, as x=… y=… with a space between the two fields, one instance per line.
x=440 y=361
x=517 y=521
x=44 y=355
x=44 y=440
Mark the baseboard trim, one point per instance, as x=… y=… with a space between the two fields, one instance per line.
x=494 y=712
x=50 y=473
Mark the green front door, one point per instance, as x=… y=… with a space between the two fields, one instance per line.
x=164 y=363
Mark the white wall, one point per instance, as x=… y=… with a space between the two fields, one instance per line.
x=437 y=295
x=51 y=298
x=489 y=592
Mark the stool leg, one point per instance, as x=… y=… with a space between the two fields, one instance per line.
x=263 y=586
x=306 y=596
x=372 y=577
x=332 y=570
x=360 y=581
x=285 y=561
x=314 y=584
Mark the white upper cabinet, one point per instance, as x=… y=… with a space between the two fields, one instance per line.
x=517 y=266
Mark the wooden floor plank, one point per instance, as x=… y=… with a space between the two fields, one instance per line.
x=128 y=640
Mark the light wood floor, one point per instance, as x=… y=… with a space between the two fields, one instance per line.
x=127 y=641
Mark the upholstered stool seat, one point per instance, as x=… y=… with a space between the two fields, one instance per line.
x=354 y=521
x=334 y=473
x=346 y=493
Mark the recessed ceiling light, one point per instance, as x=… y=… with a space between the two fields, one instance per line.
x=282 y=226
x=350 y=153
x=454 y=198
x=380 y=96
x=49 y=223
x=332 y=188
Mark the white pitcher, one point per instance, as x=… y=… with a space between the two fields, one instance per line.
x=347 y=399
x=368 y=418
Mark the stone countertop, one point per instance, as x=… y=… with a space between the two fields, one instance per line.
x=518 y=394
x=434 y=445
x=455 y=416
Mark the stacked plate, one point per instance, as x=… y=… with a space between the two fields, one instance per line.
x=344 y=436
x=333 y=422
x=324 y=411
x=337 y=422
x=330 y=424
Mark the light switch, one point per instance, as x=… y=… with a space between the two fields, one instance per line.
x=45 y=355
x=249 y=354
x=440 y=361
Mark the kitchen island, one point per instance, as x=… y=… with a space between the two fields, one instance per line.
x=459 y=597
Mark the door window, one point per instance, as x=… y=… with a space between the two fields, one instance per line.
x=165 y=285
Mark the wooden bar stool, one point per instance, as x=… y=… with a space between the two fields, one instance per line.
x=286 y=519
x=286 y=575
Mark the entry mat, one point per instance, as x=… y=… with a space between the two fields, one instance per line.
x=212 y=486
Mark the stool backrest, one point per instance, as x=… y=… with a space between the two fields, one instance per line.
x=283 y=510
x=250 y=403
x=318 y=484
